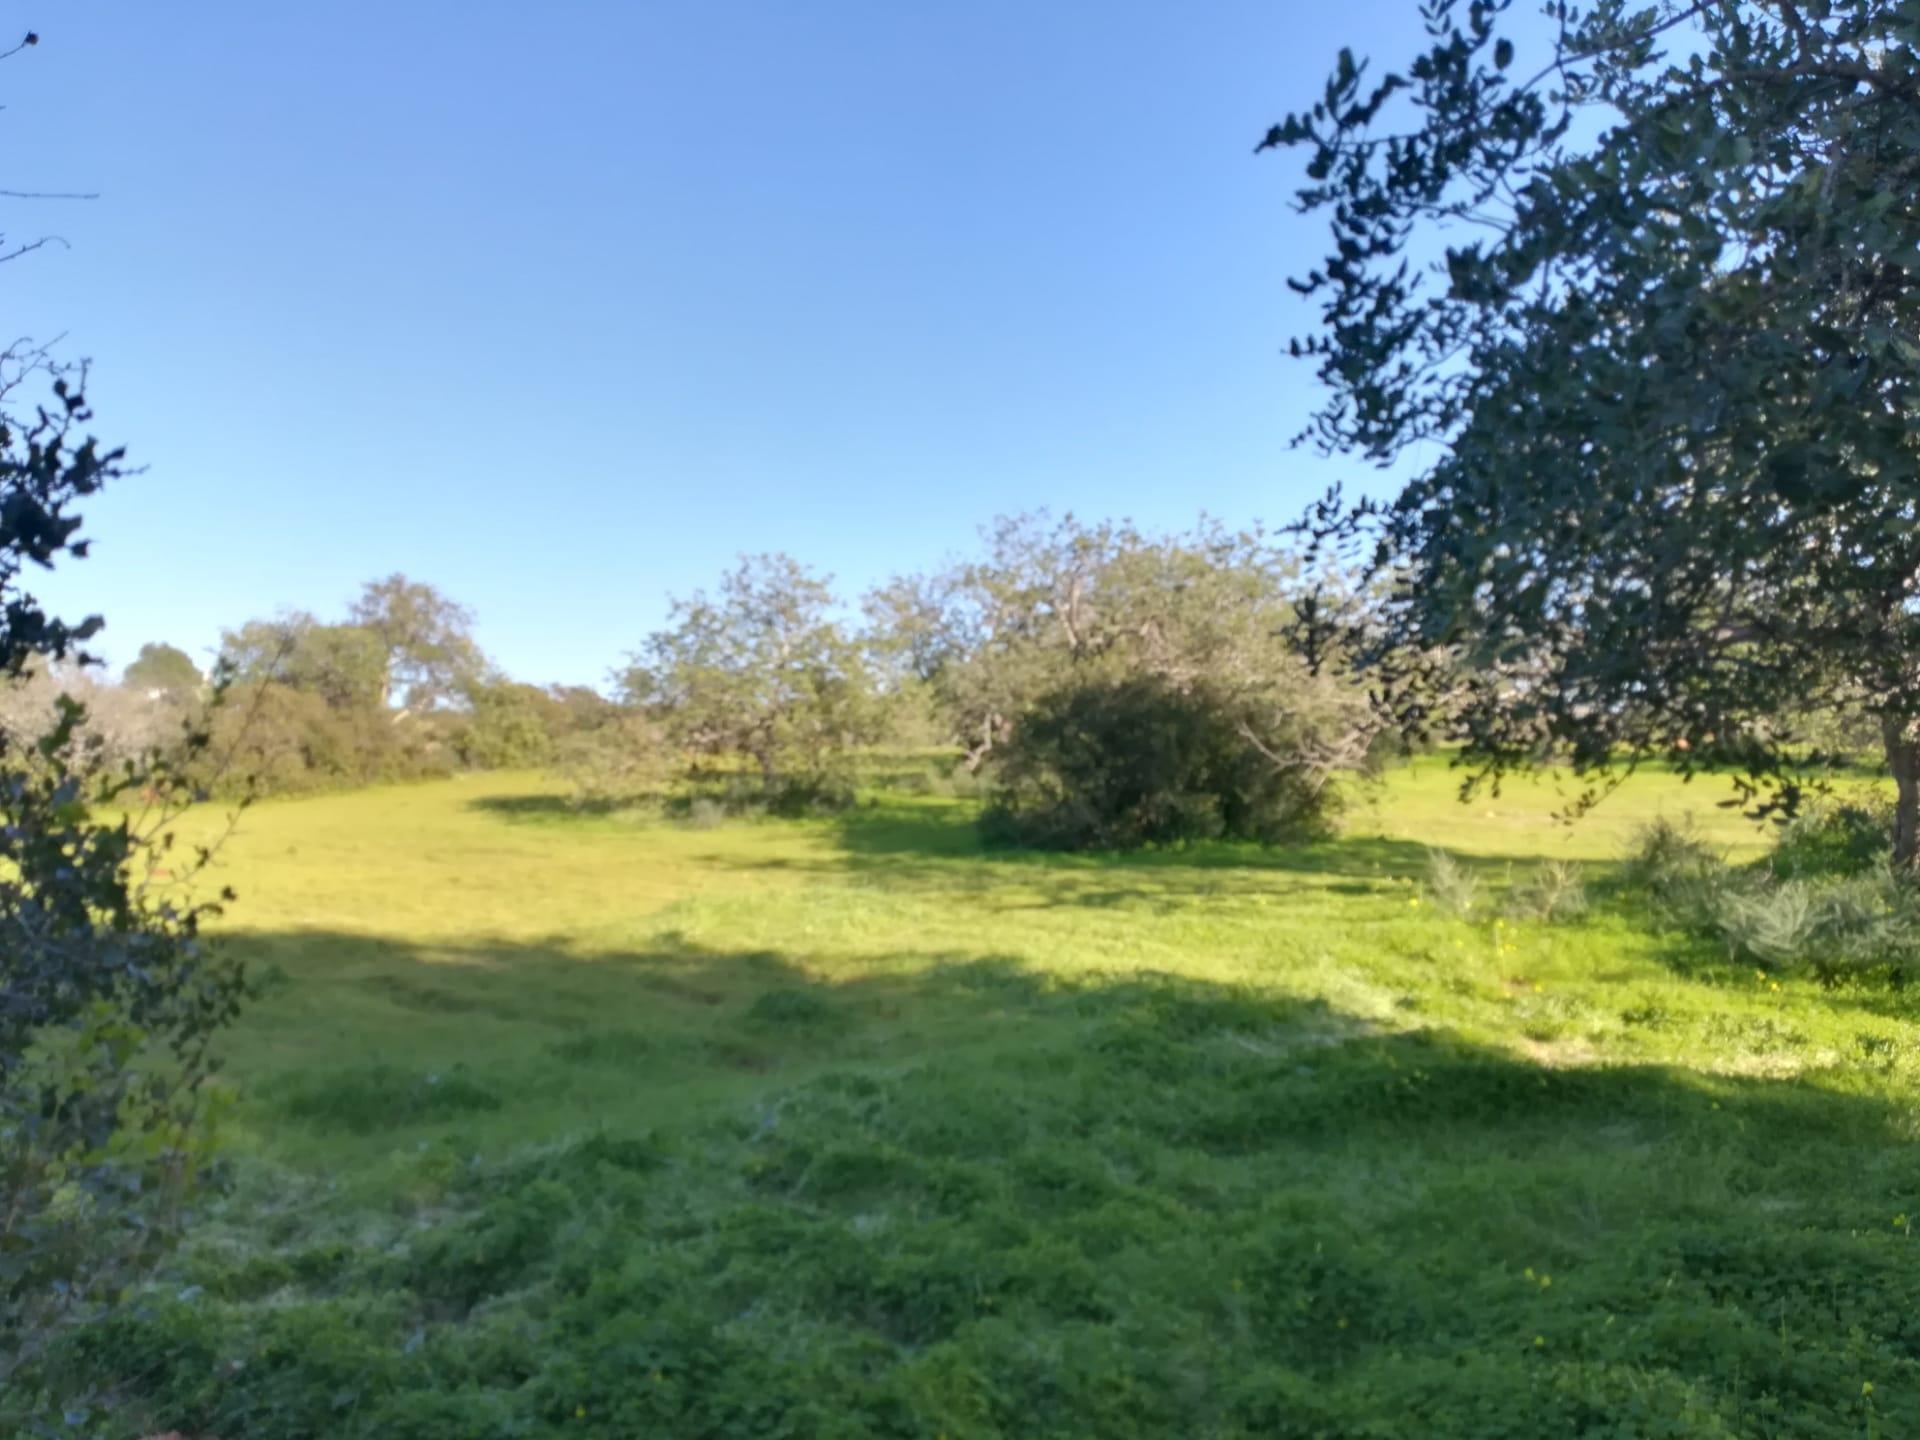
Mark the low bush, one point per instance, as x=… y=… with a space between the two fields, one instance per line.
x=1825 y=903
x=618 y=763
x=1835 y=837
x=1555 y=891
x=1450 y=886
x=1667 y=859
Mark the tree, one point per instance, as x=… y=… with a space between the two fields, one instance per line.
x=164 y=670
x=760 y=672
x=1667 y=345
x=1056 y=605
x=345 y=665
x=427 y=640
x=116 y=727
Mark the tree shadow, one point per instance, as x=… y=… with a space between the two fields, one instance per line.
x=557 y=809
x=1232 y=1207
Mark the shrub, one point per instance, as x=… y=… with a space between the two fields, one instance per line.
x=799 y=795
x=508 y=727
x=704 y=813
x=617 y=763
x=1674 y=867
x=1770 y=924
x=1850 y=837
x=1554 y=891
x=109 y=998
x=271 y=739
x=1827 y=902
x=1143 y=761
x=1450 y=886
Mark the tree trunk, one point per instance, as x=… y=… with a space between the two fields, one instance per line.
x=1903 y=759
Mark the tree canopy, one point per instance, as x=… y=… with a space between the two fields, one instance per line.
x=760 y=671
x=425 y=638
x=1652 y=282
x=165 y=670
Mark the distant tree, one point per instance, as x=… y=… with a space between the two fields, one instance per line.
x=345 y=665
x=426 y=638
x=624 y=759
x=509 y=725
x=1055 y=605
x=578 y=708
x=761 y=671
x=275 y=739
x=1662 y=371
x=115 y=728
x=164 y=670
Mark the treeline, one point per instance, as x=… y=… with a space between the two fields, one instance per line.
x=396 y=689
x=1116 y=687
x=1108 y=685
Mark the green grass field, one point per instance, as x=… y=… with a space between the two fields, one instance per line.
x=551 y=1124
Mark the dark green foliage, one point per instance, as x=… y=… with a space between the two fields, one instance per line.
x=342 y=665
x=509 y=726
x=798 y=1009
x=165 y=670
x=401 y=693
x=386 y=1097
x=1118 y=764
x=1826 y=903
x=109 y=998
x=1670 y=352
x=1832 y=837
x=275 y=739
x=619 y=761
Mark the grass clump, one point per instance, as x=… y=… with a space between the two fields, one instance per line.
x=1553 y=892
x=365 y=1099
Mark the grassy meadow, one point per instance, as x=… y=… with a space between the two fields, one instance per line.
x=548 y=1123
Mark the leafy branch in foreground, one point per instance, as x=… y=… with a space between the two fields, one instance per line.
x=109 y=996
x=1658 y=302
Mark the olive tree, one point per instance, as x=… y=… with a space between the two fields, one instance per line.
x=1649 y=279
x=759 y=672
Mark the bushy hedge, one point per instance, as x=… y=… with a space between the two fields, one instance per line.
x=273 y=739
x=1117 y=764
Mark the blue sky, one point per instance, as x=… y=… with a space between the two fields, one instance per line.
x=560 y=307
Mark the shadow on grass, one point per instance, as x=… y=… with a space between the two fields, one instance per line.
x=557 y=809
x=964 y=1189
x=922 y=840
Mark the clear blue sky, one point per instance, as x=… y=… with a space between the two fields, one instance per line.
x=560 y=307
